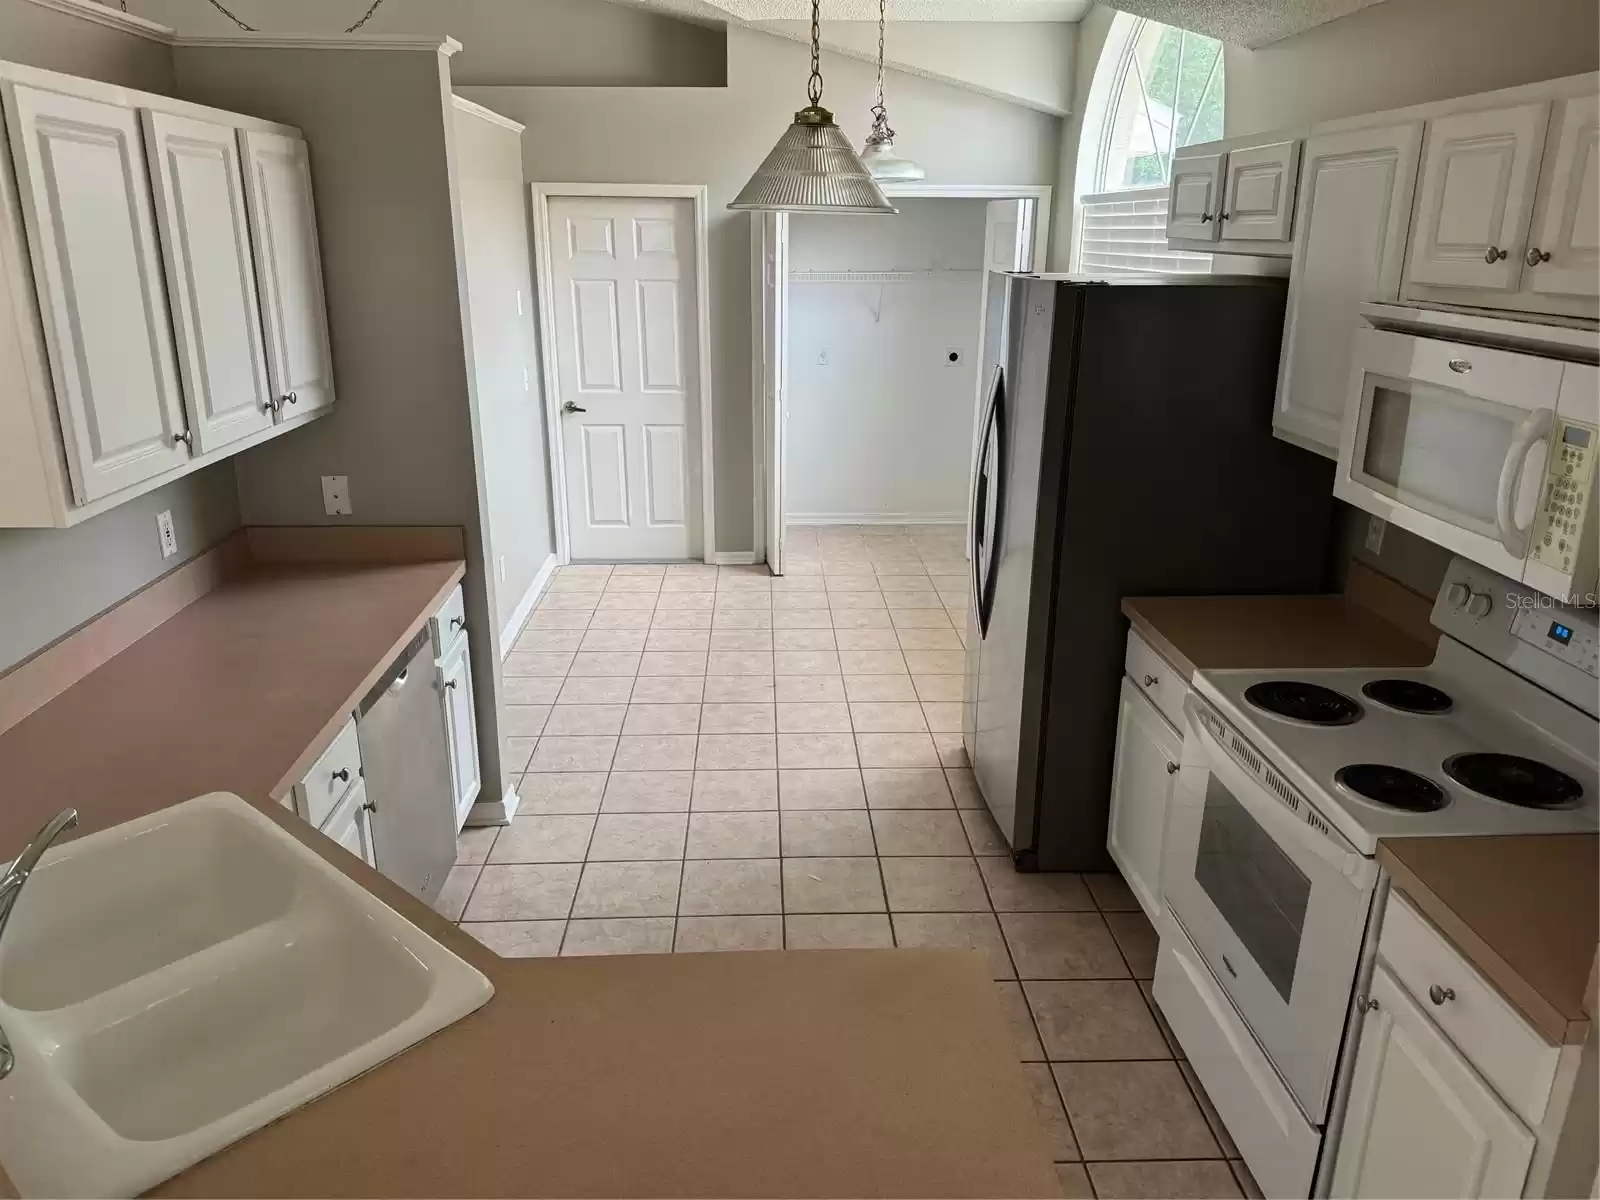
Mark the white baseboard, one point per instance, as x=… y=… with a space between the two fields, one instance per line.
x=520 y=614
x=733 y=558
x=877 y=518
x=495 y=812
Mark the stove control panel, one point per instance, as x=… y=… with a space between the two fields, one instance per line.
x=1565 y=635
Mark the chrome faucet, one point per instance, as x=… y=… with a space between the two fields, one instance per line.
x=11 y=884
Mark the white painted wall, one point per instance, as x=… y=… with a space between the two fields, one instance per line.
x=717 y=137
x=505 y=365
x=880 y=422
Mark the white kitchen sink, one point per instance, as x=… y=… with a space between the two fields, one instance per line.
x=179 y=981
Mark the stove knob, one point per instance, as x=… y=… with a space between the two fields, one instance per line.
x=1479 y=604
x=1458 y=594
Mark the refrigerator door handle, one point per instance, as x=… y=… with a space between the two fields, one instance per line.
x=986 y=504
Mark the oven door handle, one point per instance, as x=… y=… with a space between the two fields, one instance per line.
x=1534 y=426
x=1277 y=820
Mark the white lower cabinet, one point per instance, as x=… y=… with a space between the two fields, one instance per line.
x=461 y=726
x=351 y=824
x=1420 y=1121
x=1148 y=750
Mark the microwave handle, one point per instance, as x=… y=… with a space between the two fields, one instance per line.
x=1535 y=426
x=1277 y=820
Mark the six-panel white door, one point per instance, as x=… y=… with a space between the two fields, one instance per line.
x=1475 y=197
x=627 y=368
x=85 y=193
x=211 y=279
x=1563 y=256
x=283 y=227
x=1420 y=1121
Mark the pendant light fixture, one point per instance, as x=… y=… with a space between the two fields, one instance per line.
x=813 y=167
x=879 y=156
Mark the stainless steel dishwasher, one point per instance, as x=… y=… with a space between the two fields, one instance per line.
x=404 y=757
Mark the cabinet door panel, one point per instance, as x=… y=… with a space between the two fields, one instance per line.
x=1476 y=197
x=85 y=192
x=1258 y=203
x=283 y=227
x=1194 y=196
x=1349 y=247
x=1566 y=223
x=205 y=242
x=1420 y=1122
x=1141 y=788
x=461 y=727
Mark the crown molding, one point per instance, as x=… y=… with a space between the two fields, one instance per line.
x=101 y=14
x=488 y=114
x=446 y=46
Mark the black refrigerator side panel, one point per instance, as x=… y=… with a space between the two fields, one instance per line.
x=1176 y=486
x=1056 y=384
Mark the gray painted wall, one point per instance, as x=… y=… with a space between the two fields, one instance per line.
x=580 y=43
x=52 y=581
x=379 y=124
x=494 y=223
x=717 y=137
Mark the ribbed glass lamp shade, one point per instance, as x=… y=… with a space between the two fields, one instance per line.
x=884 y=165
x=813 y=168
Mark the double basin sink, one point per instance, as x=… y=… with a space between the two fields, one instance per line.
x=176 y=982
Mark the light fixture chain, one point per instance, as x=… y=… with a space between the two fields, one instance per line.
x=248 y=28
x=880 y=115
x=814 y=84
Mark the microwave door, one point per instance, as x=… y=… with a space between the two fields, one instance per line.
x=1275 y=905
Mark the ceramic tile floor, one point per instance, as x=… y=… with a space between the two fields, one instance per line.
x=714 y=759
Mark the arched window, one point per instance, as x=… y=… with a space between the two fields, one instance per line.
x=1156 y=89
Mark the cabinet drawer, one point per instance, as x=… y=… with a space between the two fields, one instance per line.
x=330 y=777
x=448 y=623
x=1504 y=1048
x=1156 y=678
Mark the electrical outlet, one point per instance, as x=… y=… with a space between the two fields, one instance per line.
x=169 y=538
x=1375 y=528
x=336 y=495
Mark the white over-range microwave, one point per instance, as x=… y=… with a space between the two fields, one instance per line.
x=1485 y=451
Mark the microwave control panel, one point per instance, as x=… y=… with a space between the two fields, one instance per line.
x=1558 y=526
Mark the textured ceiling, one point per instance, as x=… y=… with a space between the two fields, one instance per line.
x=1241 y=22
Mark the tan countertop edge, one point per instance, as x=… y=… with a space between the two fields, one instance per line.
x=1522 y=909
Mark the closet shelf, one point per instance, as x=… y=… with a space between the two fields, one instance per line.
x=873 y=276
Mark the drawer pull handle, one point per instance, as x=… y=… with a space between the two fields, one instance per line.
x=1150 y=681
x=1441 y=994
x=1366 y=1004
x=342 y=775
x=1172 y=768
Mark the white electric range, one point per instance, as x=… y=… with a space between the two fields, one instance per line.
x=1290 y=778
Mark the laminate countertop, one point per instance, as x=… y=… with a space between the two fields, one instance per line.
x=1524 y=910
x=826 y=1073
x=1197 y=633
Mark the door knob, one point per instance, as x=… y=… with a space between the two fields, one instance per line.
x=1494 y=254
x=1172 y=768
x=570 y=407
x=1535 y=256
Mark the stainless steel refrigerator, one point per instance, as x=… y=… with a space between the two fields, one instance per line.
x=1126 y=449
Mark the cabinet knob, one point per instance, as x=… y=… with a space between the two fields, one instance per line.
x=1439 y=995
x=1222 y=216
x=451 y=684
x=458 y=622
x=1172 y=768
x=1204 y=217
x=342 y=775
x=1150 y=681
x=1494 y=254
x=370 y=805
x=294 y=397
x=1535 y=256
x=1460 y=366
x=183 y=439
x=1366 y=1004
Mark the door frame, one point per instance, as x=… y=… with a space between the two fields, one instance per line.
x=545 y=319
x=762 y=466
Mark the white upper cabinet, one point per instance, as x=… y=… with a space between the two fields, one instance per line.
x=1475 y=198
x=1258 y=201
x=284 y=227
x=1349 y=247
x=1194 y=197
x=1563 y=254
x=205 y=238
x=85 y=197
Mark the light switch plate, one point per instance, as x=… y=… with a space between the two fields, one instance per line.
x=169 y=538
x=1375 y=528
x=336 y=495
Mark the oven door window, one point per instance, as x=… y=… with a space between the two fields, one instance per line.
x=1254 y=885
